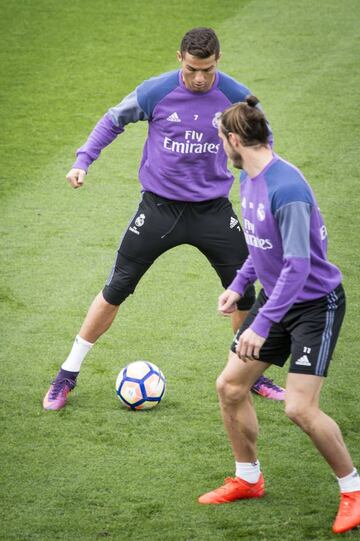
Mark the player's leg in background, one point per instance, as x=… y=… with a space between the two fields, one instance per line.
x=141 y=244
x=99 y=318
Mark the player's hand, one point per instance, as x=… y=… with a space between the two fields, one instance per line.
x=76 y=177
x=249 y=345
x=227 y=302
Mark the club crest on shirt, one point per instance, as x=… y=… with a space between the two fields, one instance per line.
x=260 y=212
x=216 y=119
x=323 y=232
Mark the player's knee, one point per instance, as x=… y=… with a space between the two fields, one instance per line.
x=292 y=411
x=220 y=386
x=122 y=283
x=230 y=392
x=105 y=300
x=299 y=414
x=113 y=297
x=123 y=279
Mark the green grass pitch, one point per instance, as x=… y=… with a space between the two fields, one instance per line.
x=95 y=471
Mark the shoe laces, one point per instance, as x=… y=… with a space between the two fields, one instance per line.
x=228 y=481
x=345 y=508
x=267 y=383
x=60 y=386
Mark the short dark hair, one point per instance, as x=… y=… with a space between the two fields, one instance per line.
x=247 y=121
x=200 y=42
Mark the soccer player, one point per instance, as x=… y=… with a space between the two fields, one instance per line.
x=185 y=185
x=298 y=312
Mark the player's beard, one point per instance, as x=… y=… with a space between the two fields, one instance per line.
x=236 y=159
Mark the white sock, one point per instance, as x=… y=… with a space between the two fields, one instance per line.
x=249 y=471
x=349 y=483
x=78 y=353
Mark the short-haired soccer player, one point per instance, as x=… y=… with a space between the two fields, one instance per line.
x=298 y=313
x=185 y=185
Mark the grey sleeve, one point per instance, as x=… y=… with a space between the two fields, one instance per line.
x=127 y=111
x=294 y=223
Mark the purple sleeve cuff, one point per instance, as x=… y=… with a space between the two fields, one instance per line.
x=83 y=161
x=261 y=325
x=244 y=277
x=238 y=284
x=287 y=288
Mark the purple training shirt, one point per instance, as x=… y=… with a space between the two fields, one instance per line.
x=183 y=158
x=287 y=242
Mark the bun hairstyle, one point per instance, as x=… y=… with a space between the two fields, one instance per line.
x=252 y=101
x=246 y=120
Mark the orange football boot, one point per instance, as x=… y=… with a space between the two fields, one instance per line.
x=348 y=516
x=234 y=489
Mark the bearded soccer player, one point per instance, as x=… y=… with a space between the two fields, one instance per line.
x=185 y=185
x=298 y=313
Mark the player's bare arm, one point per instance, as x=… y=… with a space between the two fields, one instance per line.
x=76 y=177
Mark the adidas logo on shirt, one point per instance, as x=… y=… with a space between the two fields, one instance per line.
x=233 y=222
x=174 y=118
x=303 y=361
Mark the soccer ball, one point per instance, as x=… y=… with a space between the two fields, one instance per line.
x=140 y=385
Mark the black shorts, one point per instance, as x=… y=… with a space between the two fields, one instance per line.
x=309 y=332
x=161 y=224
